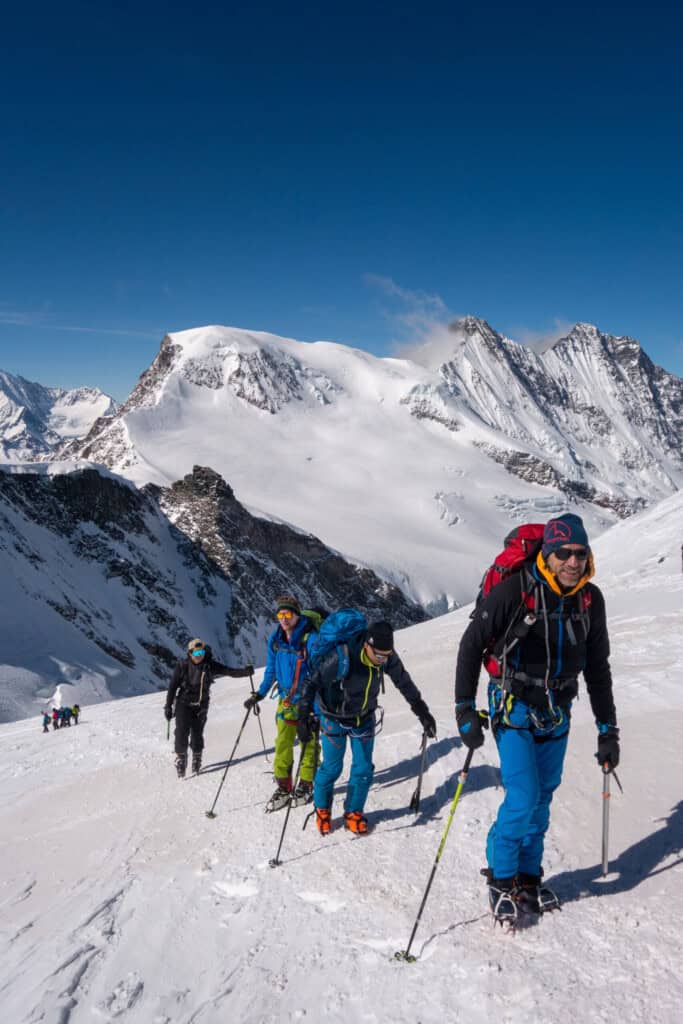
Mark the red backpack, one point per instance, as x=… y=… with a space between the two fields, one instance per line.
x=520 y=547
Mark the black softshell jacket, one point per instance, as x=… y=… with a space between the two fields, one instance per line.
x=354 y=698
x=191 y=684
x=577 y=641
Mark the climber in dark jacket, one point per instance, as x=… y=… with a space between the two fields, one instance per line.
x=347 y=709
x=536 y=631
x=190 y=691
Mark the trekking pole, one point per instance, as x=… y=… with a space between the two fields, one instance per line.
x=168 y=729
x=211 y=814
x=415 y=798
x=404 y=954
x=257 y=712
x=316 y=762
x=275 y=861
x=605 y=818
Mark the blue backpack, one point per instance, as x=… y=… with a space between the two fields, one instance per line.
x=335 y=631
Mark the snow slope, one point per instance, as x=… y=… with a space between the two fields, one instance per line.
x=121 y=901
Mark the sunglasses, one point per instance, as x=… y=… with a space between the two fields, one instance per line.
x=197 y=652
x=564 y=554
x=284 y=616
x=380 y=656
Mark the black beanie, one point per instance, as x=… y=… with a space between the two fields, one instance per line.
x=380 y=635
x=287 y=603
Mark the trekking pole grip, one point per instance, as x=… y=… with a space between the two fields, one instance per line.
x=257 y=709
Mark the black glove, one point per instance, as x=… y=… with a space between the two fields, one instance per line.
x=305 y=728
x=252 y=700
x=168 y=714
x=608 y=746
x=248 y=670
x=471 y=724
x=421 y=711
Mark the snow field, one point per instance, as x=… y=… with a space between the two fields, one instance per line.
x=121 y=901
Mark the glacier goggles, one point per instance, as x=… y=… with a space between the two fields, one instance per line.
x=380 y=656
x=564 y=554
x=285 y=615
x=197 y=652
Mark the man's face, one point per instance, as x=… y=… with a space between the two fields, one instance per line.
x=568 y=564
x=197 y=655
x=377 y=657
x=287 y=620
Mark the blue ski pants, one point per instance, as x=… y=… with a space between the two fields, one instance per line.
x=333 y=738
x=531 y=749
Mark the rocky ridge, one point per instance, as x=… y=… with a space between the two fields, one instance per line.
x=137 y=572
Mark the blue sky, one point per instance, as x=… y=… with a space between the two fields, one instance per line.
x=334 y=172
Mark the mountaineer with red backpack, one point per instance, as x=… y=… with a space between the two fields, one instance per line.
x=539 y=622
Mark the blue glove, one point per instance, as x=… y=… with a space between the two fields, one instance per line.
x=471 y=724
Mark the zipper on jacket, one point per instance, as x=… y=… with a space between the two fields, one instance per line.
x=560 y=639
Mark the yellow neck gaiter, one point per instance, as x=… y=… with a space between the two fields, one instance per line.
x=552 y=581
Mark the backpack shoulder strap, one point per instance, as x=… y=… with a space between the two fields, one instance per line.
x=343 y=661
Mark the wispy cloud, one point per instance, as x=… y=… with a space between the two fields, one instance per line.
x=417 y=310
x=416 y=314
x=420 y=318
x=540 y=339
x=49 y=321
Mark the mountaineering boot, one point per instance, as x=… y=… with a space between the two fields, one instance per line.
x=303 y=794
x=323 y=820
x=356 y=822
x=280 y=797
x=532 y=897
x=196 y=763
x=181 y=765
x=502 y=901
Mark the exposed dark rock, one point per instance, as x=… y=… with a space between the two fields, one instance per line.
x=155 y=545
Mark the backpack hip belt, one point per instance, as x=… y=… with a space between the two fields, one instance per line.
x=557 y=685
x=539 y=693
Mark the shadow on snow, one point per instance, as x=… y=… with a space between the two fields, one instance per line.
x=479 y=777
x=640 y=861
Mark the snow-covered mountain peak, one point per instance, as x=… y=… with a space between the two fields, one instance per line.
x=464 y=339
x=472 y=326
x=262 y=369
x=474 y=428
x=36 y=420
